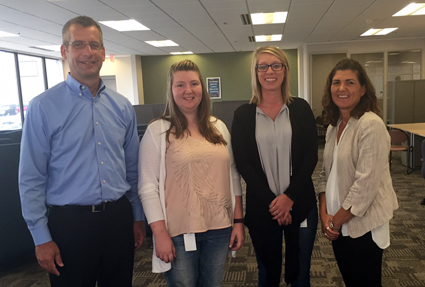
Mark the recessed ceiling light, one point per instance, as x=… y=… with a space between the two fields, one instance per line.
x=268 y=38
x=6 y=34
x=411 y=9
x=125 y=25
x=385 y=31
x=164 y=43
x=268 y=18
x=378 y=32
x=182 y=53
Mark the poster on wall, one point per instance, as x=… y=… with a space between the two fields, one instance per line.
x=214 y=87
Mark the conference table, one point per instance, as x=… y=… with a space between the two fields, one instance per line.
x=413 y=129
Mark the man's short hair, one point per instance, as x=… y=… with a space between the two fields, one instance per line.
x=83 y=21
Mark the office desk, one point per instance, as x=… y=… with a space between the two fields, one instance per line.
x=413 y=129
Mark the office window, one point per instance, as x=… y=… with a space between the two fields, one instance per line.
x=32 y=77
x=54 y=71
x=36 y=74
x=9 y=97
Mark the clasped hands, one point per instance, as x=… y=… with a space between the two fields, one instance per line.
x=328 y=232
x=280 y=209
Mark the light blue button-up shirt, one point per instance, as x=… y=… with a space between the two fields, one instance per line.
x=77 y=149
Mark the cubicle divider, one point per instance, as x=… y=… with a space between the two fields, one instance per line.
x=15 y=239
x=224 y=111
x=145 y=114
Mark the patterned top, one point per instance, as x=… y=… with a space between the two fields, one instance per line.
x=197 y=189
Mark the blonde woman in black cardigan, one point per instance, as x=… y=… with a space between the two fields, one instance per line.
x=274 y=141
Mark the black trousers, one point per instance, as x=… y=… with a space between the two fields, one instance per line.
x=96 y=247
x=359 y=260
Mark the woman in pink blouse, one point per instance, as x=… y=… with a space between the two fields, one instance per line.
x=189 y=185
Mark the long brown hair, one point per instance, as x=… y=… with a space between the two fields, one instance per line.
x=178 y=120
x=368 y=102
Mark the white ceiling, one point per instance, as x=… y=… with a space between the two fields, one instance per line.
x=204 y=26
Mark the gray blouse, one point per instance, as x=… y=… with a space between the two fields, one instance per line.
x=274 y=147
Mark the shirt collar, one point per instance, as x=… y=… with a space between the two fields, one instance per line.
x=284 y=108
x=77 y=87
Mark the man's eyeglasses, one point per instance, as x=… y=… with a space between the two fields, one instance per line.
x=275 y=67
x=79 y=45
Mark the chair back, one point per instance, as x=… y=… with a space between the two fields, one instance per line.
x=398 y=136
x=423 y=158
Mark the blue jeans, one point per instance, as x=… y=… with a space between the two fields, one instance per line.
x=203 y=267
x=307 y=236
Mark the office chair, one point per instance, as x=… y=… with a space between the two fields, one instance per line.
x=423 y=166
x=398 y=138
x=321 y=129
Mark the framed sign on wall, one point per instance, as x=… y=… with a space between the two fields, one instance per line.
x=214 y=87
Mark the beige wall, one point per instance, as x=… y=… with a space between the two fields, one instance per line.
x=125 y=72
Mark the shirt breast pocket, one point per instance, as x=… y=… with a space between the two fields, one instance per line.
x=116 y=134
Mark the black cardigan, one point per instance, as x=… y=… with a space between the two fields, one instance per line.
x=304 y=147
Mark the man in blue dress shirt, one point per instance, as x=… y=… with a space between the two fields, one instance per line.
x=79 y=169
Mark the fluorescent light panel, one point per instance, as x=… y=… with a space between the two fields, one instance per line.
x=182 y=53
x=268 y=18
x=125 y=25
x=164 y=43
x=53 y=48
x=411 y=9
x=378 y=32
x=6 y=34
x=268 y=38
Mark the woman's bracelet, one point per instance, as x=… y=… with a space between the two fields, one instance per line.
x=238 y=220
x=331 y=225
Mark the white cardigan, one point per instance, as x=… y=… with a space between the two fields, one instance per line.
x=152 y=176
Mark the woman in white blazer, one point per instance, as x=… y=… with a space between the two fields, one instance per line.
x=356 y=196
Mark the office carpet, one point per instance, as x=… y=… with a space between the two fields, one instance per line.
x=403 y=263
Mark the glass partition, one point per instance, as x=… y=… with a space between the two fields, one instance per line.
x=374 y=66
x=404 y=65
